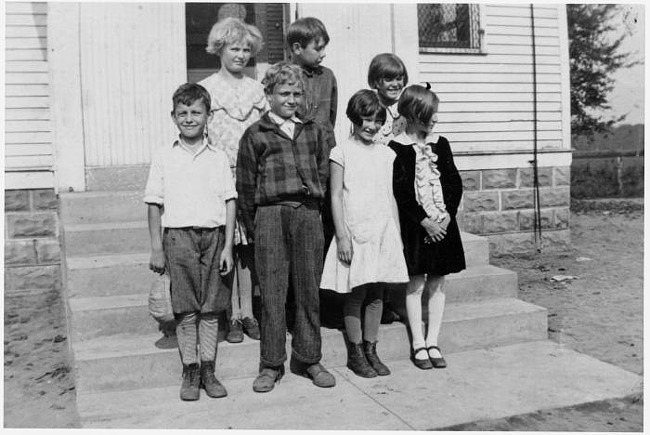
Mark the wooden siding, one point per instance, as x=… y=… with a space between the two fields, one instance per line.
x=132 y=61
x=28 y=126
x=487 y=99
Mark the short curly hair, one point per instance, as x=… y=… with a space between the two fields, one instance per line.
x=232 y=30
x=281 y=73
x=418 y=103
x=365 y=103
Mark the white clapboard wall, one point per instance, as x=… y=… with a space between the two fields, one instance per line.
x=487 y=100
x=28 y=126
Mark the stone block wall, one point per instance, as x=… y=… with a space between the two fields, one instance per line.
x=499 y=204
x=32 y=242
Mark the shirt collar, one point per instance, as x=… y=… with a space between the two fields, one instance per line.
x=278 y=120
x=403 y=139
x=310 y=72
x=204 y=144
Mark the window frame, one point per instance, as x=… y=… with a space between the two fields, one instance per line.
x=479 y=46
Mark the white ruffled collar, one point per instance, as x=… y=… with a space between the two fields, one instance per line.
x=404 y=139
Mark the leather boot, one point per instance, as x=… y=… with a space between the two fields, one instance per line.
x=191 y=382
x=213 y=387
x=357 y=361
x=370 y=351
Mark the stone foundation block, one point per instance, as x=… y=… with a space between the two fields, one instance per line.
x=554 y=197
x=16 y=200
x=562 y=218
x=32 y=225
x=471 y=180
x=19 y=252
x=33 y=277
x=480 y=201
x=499 y=179
x=516 y=199
x=45 y=199
x=48 y=251
x=527 y=220
x=544 y=177
x=522 y=243
x=562 y=176
x=471 y=223
x=500 y=222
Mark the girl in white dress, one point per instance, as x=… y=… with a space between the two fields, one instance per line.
x=367 y=249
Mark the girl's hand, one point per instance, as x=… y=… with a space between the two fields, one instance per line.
x=445 y=222
x=225 y=262
x=157 y=261
x=344 y=249
x=433 y=228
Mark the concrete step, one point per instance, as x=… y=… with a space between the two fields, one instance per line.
x=128 y=313
x=129 y=237
x=477 y=385
x=108 y=275
x=106 y=238
x=102 y=207
x=131 y=361
x=122 y=274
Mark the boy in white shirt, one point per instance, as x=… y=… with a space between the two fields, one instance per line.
x=190 y=195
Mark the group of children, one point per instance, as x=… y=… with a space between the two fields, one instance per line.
x=257 y=200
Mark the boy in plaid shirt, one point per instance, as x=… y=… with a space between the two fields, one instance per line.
x=282 y=171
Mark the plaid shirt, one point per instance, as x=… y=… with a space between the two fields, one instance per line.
x=274 y=169
x=320 y=99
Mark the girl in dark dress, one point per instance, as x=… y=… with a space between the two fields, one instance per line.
x=428 y=190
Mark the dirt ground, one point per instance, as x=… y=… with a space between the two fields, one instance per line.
x=598 y=312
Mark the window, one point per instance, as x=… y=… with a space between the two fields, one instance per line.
x=449 y=28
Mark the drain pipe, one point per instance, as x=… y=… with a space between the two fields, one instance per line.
x=537 y=213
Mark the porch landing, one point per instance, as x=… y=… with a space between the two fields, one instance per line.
x=478 y=384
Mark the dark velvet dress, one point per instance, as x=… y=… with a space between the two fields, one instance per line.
x=438 y=258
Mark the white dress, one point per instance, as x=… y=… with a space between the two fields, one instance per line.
x=368 y=202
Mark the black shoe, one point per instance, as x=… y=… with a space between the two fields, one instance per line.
x=191 y=382
x=268 y=376
x=358 y=363
x=251 y=327
x=235 y=332
x=209 y=382
x=370 y=351
x=438 y=363
x=423 y=364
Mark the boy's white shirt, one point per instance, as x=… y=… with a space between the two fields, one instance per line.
x=192 y=187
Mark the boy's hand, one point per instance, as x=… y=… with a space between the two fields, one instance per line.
x=157 y=261
x=434 y=229
x=344 y=249
x=225 y=262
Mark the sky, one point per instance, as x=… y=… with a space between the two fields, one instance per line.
x=629 y=91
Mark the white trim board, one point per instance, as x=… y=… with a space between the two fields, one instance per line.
x=514 y=160
x=29 y=180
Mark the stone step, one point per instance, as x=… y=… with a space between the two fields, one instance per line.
x=121 y=238
x=102 y=207
x=132 y=361
x=106 y=238
x=108 y=275
x=128 y=313
x=478 y=385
